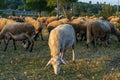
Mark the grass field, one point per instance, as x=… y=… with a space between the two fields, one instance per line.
x=101 y=63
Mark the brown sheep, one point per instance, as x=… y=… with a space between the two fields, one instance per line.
x=73 y=17
x=98 y=30
x=17 y=18
x=109 y=18
x=18 y=31
x=4 y=21
x=117 y=33
x=52 y=25
x=37 y=25
x=64 y=20
x=115 y=20
x=42 y=19
x=80 y=28
x=114 y=30
x=50 y=19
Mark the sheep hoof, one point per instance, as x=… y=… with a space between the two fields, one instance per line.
x=4 y=50
x=87 y=46
x=74 y=62
x=35 y=39
x=30 y=50
x=42 y=39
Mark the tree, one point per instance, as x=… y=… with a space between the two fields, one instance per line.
x=22 y=6
x=13 y=4
x=63 y=4
x=37 y=5
x=106 y=11
x=2 y=4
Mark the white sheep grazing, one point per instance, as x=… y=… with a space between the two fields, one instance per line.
x=60 y=39
x=18 y=31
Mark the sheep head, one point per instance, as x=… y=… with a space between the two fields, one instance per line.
x=55 y=62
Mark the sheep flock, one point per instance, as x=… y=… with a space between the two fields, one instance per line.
x=63 y=33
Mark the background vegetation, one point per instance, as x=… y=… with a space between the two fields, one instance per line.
x=66 y=7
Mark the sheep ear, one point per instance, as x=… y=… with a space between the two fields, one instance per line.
x=49 y=62
x=63 y=61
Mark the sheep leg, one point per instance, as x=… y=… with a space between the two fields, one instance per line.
x=62 y=53
x=31 y=42
x=73 y=54
x=6 y=45
x=48 y=34
x=82 y=36
x=31 y=46
x=4 y=41
x=76 y=37
x=94 y=42
x=88 y=42
x=41 y=36
x=85 y=38
x=28 y=44
x=107 y=40
x=36 y=36
x=14 y=43
x=87 y=45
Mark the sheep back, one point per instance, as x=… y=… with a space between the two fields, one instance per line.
x=62 y=37
x=42 y=19
x=97 y=29
x=50 y=19
x=19 y=28
x=53 y=24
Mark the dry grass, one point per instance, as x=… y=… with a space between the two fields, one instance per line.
x=101 y=63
